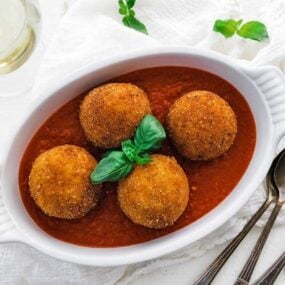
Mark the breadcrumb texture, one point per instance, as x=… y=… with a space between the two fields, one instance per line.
x=110 y=113
x=59 y=182
x=202 y=125
x=156 y=194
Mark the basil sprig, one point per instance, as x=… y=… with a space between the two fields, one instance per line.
x=111 y=168
x=117 y=164
x=253 y=30
x=129 y=16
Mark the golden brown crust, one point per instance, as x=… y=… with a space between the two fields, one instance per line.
x=110 y=113
x=156 y=194
x=59 y=182
x=201 y=125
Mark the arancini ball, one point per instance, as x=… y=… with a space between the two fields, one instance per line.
x=59 y=182
x=201 y=125
x=110 y=113
x=155 y=194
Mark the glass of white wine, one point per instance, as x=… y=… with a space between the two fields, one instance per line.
x=18 y=21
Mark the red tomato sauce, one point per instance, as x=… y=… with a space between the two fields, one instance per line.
x=210 y=182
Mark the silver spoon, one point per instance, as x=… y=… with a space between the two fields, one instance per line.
x=270 y=275
x=208 y=276
x=278 y=191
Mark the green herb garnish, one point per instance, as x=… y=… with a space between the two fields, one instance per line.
x=134 y=154
x=112 y=167
x=253 y=30
x=129 y=16
x=117 y=164
x=227 y=27
x=149 y=135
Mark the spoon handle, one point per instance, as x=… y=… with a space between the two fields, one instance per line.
x=272 y=272
x=213 y=269
x=248 y=268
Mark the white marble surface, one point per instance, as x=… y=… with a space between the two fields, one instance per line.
x=177 y=274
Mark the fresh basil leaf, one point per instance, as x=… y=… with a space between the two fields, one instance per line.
x=134 y=23
x=143 y=159
x=149 y=134
x=227 y=27
x=125 y=21
x=123 y=11
x=253 y=30
x=122 y=4
x=112 y=168
x=131 y=3
x=129 y=149
x=132 y=13
x=132 y=153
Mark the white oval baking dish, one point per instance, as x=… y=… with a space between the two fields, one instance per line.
x=263 y=89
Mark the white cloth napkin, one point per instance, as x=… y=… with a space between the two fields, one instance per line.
x=91 y=31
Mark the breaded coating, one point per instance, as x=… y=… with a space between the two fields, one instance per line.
x=202 y=125
x=59 y=182
x=156 y=194
x=110 y=113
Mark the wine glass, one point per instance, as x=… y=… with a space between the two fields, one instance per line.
x=19 y=27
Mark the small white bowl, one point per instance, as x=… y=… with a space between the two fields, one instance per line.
x=263 y=89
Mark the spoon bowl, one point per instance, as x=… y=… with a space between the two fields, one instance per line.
x=279 y=177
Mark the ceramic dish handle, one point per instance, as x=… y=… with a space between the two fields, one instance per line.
x=8 y=231
x=271 y=82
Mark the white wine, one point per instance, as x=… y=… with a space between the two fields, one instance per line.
x=17 y=37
